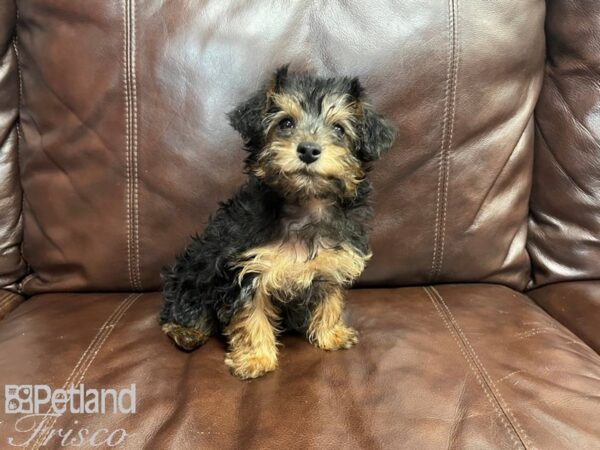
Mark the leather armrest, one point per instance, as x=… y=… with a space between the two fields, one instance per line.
x=12 y=266
x=576 y=305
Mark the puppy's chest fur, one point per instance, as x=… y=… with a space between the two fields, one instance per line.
x=308 y=249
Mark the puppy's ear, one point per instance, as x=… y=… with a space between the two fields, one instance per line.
x=376 y=134
x=376 y=137
x=247 y=118
x=280 y=78
x=355 y=89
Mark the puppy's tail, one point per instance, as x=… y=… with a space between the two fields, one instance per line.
x=184 y=317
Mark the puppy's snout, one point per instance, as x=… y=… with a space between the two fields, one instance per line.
x=308 y=152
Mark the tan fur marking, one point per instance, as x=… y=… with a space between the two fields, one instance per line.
x=339 y=163
x=283 y=269
x=289 y=105
x=327 y=329
x=342 y=110
x=286 y=267
x=251 y=336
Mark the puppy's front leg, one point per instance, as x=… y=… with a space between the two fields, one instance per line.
x=327 y=329
x=251 y=336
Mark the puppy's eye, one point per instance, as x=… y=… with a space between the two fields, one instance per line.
x=286 y=124
x=339 y=129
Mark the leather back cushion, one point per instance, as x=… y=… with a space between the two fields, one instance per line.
x=12 y=266
x=126 y=150
x=565 y=204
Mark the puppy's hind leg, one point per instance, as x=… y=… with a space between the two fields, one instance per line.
x=187 y=338
x=184 y=318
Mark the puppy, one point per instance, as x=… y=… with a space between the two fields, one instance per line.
x=281 y=253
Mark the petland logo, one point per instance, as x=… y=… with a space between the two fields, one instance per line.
x=33 y=399
x=40 y=406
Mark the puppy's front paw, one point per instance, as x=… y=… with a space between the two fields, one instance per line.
x=250 y=365
x=337 y=338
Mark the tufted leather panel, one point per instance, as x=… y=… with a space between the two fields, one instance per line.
x=466 y=367
x=12 y=267
x=123 y=121
x=564 y=226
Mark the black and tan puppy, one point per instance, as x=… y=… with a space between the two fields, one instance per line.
x=281 y=253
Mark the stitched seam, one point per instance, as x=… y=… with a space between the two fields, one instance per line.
x=514 y=437
x=15 y=43
x=84 y=355
x=440 y=162
x=136 y=206
x=456 y=53
x=6 y=304
x=503 y=403
x=3 y=308
x=127 y=140
x=446 y=142
x=6 y=300
x=4 y=297
x=19 y=133
x=131 y=113
x=85 y=361
x=515 y=425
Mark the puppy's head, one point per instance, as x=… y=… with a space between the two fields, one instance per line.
x=311 y=137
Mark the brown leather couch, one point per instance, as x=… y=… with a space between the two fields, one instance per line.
x=480 y=311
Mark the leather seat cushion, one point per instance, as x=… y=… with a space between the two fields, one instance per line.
x=460 y=366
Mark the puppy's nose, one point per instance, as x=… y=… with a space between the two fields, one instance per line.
x=308 y=152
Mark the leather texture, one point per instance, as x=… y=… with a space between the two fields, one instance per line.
x=124 y=151
x=12 y=267
x=8 y=302
x=457 y=366
x=564 y=240
x=574 y=304
x=124 y=122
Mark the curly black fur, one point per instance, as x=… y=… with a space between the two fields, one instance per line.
x=201 y=286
